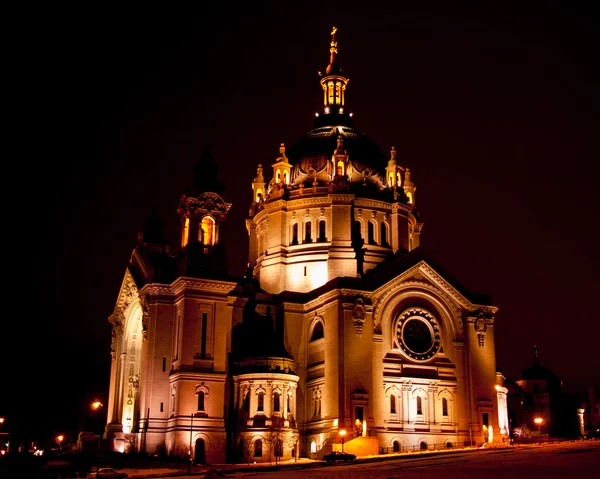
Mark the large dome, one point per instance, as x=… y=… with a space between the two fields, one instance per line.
x=312 y=152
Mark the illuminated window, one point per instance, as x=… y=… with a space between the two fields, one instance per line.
x=399 y=178
x=330 y=87
x=208 y=231
x=419 y=405
x=383 y=232
x=258 y=195
x=285 y=177
x=444 y=407
x=409 y=196
x=318 y=331
x=371 y=232
x=338 y=95
x=392 y=404
x=258 y=448
x=186 y=231
x=307 y=232
x=322 y=232
x=276 y=402
x=201 y=401
x=261 y=401
x=340 y=168
x=391 y=180
x=313 y=446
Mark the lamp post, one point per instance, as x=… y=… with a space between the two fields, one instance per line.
x=342 y=434
x=191 y=431
x=538 y=420
x=96 y=405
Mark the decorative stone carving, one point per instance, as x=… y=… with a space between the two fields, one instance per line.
x=359 y=315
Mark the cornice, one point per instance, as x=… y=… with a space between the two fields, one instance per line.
x=369 y=203
x=216 y=286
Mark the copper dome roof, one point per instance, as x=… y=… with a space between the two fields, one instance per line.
x=312 y=152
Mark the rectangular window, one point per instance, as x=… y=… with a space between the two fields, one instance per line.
x=164 y=364
x=161 y=407
x=359 y=413
x=485 y=419
x=204 y=322
x=176 y=336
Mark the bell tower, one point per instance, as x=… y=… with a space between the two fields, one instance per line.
x=202 y=212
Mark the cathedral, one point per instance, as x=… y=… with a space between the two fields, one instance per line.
x=343 y=331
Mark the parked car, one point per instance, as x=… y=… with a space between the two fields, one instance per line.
x=106 y=473
x=338 y=456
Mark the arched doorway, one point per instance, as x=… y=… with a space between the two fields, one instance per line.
x=199 y=452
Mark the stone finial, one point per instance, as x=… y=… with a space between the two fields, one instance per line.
x=393 y=153
x=282 y=149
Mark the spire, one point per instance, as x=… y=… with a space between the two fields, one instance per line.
x=536 y=355
x=334 y=85
x=332 y=52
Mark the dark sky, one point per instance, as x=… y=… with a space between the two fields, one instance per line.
x=493 y=106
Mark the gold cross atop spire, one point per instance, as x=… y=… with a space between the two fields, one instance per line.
x=333 y=48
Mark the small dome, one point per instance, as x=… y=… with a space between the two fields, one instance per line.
x=537 y=371
x=313 y=151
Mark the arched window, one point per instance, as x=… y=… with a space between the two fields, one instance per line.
x=285 y=177
x=423 y=446
x=338 y=93
x=247 y=403
x=313 y=446
x=208 y=231
x=340 y=168
x=371 y=232
x=330 y=87
x=409 y=196
x=307 y=232
x=258 y=195
x=419 y=405
x=276 y=402
x=200 y=400
x=261 y=401
x=295 y=233
x=322 y=232
x=396 y=446
x=278 y=176
x=318 y=332
x=392 y=404
x=258 y=448
x=186 y=232
x=444 y=407
x=289 y=402
x=399 y=180
x=383 y=233
x=391 y=180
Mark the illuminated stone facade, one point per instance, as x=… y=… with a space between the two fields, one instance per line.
x=342 y=323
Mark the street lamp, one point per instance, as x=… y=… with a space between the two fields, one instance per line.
x=538 y=421
x=342 y=433
x=96 y=405
x=59 y=439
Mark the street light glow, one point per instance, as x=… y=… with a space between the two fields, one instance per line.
x=96 y=405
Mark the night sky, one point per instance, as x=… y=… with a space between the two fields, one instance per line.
x=494 y=108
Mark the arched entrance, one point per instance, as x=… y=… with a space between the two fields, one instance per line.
x=199 y=452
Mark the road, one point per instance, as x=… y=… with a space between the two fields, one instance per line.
x=580 y=459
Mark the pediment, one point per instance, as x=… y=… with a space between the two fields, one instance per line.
x=128 y=293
